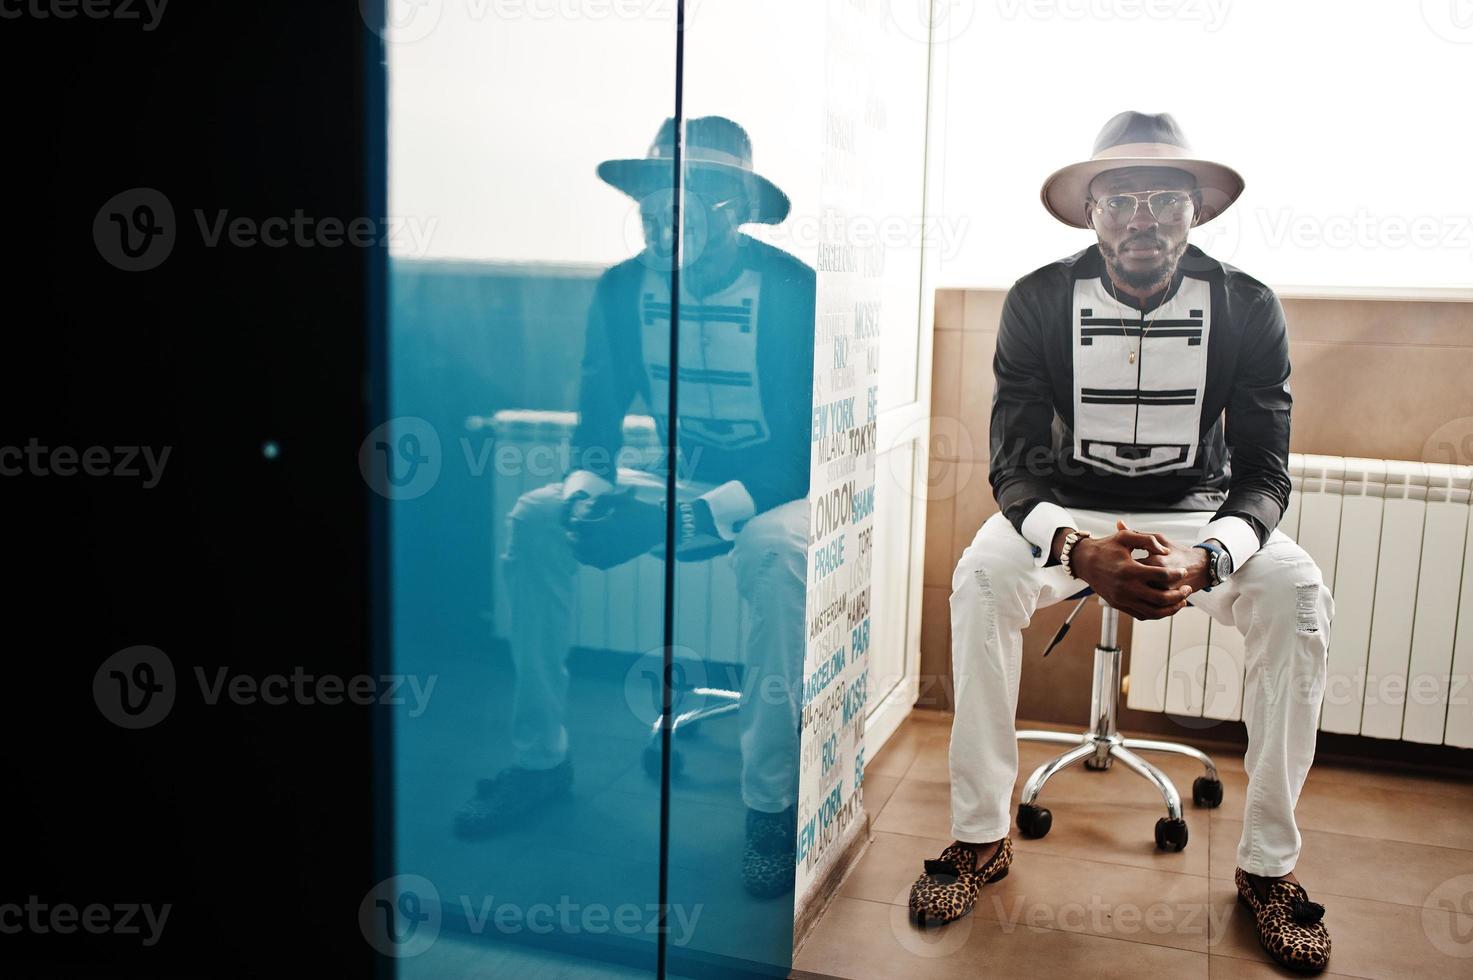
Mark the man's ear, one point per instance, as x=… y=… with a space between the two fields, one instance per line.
x=1196 y=207
x=1089 y=215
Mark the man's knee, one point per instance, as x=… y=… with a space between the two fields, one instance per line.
x=773 y=538
x=535 y=517
x=987 y=578
x=1288 y=583
x=994 y=569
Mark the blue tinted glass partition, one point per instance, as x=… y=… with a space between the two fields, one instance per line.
x=744 y=344
x=595 y=462
x=527 y=816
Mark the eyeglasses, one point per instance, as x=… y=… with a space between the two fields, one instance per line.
x=1167 y=207
x=662 y=210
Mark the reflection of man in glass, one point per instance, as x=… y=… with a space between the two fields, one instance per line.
x=746 y=331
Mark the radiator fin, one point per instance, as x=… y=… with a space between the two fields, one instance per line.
x=1394 y=542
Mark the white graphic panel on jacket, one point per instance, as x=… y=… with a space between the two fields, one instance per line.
x=720 y=397
x=1143 y=413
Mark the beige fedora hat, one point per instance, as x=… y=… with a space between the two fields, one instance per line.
x=716 y=151
x=1139 y=139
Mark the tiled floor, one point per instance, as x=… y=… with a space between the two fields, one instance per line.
x=1390 y=857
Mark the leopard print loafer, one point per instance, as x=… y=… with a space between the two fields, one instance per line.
x=1290 y=926
x=948 y=888
x=767 y=860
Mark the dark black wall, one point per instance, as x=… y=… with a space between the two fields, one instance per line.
x=252 y=821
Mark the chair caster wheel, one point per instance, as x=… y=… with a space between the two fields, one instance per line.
x=1034 y=821
x=1207 y=791
x=1171 y=835
x=652 y=765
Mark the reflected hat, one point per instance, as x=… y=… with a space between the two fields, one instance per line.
x=716 y=151
x=1138 y=139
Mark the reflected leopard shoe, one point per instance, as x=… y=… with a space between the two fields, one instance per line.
x=1290 y=926
x=948 y=888
x=767 y=860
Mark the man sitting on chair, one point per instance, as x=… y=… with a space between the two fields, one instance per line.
x=744 y=378
x=1141 y=405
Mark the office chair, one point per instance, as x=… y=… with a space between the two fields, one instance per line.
x=1099 y=746
x=686 y=724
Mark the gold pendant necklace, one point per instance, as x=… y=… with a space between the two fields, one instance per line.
x=1145 y=324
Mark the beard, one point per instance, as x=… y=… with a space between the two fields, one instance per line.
x=1145 y=280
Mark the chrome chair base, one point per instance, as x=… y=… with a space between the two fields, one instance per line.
x=686 y=724
x=1103 y=743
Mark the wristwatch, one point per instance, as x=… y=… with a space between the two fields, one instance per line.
x=1219 y=564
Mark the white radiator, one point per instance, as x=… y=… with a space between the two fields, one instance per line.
x=620 y=609
x=1393 y=541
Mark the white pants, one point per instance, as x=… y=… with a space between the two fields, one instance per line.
x=770 y=556
x=1277 y=600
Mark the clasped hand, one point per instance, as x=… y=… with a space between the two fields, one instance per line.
x=1153 y=587
x=612 y=528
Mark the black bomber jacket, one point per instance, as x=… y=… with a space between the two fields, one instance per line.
x=1199 y=420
